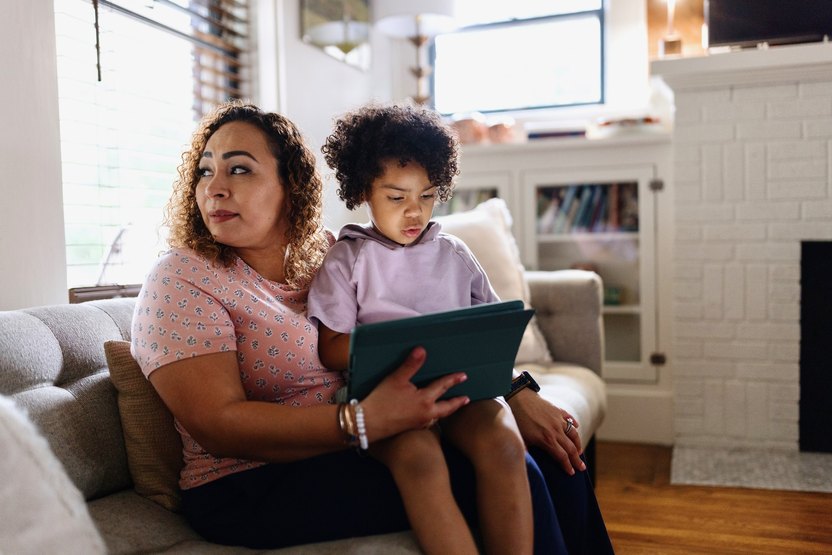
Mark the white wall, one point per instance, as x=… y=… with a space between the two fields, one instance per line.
x=318 y=88
x=32 y=222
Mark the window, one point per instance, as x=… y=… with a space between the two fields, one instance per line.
x=163 y=64
x=543 y=55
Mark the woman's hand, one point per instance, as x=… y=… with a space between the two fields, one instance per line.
x=544 y=425
x=396 y=405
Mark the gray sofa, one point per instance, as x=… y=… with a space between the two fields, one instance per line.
x=53 y=368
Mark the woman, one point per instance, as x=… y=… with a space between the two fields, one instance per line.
x=220 y=330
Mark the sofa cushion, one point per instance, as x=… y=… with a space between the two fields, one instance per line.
x=133 y=524
x=52 y=364
x=487 y=231
x=42 y=510
x=154 y=448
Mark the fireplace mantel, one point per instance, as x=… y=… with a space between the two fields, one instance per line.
x=803 y=62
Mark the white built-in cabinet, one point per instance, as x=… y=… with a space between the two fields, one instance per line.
x=595 y=204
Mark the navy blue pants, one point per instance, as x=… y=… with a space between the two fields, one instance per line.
x=343 y=494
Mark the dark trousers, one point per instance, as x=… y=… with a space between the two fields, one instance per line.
x=344 y=494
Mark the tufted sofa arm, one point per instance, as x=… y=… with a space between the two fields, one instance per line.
x=568 y=309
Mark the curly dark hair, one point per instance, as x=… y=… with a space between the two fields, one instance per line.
x=307 y=240
x=362 y=139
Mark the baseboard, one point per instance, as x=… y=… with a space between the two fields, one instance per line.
x=636 y=415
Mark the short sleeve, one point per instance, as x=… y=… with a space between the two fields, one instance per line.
x=481 y=290
x=332 y=294
x=177 y=314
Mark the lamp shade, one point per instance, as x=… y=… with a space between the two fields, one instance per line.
x=409 y=18
x=345 y=35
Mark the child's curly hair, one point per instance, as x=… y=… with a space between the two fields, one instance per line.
x=362 y=139
x=307 y=241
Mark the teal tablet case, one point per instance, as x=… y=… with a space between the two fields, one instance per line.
x=481 y=341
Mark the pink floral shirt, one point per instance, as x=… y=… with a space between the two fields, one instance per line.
x=189 y=307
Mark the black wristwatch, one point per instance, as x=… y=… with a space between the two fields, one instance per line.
x=522 y=381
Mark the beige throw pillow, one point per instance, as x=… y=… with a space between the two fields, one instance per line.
x=487 y=231
x=154 y=448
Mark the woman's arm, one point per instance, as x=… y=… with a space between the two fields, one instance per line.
x=205 y=395
x=544 y=425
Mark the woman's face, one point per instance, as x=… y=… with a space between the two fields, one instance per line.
x=240 y=196
x=401 y=201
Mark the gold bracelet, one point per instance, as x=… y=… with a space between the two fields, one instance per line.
x=344 y=424
x=353 y=420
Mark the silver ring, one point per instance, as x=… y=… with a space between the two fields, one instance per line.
x=569 y=425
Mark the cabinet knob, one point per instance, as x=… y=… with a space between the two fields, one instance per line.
x=658 y=359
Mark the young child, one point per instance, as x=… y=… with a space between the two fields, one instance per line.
x=399 y=160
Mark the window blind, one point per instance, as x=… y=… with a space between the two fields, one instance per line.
x=163 y=64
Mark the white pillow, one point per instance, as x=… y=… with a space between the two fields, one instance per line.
x=42 y=510
x=487 y=231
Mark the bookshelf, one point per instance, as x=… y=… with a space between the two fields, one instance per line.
x=593 y=208
x=465 y=199
x=594 y=205
x=474 y=188
x=592 y=218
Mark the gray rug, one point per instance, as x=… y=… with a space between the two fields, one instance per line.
x=752 y=468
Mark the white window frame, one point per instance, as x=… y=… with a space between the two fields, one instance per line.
x=599 y=13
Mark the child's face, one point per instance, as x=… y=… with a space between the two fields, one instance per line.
x=401 y=201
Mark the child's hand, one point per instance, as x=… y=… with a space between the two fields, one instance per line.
x=396 y=405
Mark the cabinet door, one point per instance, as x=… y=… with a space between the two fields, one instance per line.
x=602 y=219
x=474 y=188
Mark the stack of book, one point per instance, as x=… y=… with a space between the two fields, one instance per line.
x=587 y=208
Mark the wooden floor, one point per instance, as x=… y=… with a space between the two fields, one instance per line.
x=645 y=514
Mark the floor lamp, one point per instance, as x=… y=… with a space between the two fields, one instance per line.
x=416 y=21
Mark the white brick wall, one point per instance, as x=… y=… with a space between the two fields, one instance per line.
x=753 y=167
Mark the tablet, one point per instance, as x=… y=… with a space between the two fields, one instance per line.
x=480 y=340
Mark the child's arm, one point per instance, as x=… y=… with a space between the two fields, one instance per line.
x=333 y=348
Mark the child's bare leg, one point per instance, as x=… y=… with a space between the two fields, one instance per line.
x=485 y=431
x=418 y=466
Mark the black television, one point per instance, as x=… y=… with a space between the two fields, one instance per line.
x=747 y=23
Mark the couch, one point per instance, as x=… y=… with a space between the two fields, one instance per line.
x=60 y=411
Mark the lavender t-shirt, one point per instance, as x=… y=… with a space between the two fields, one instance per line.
x=368 y=278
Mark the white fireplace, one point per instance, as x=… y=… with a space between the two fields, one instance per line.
x=753 y=178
